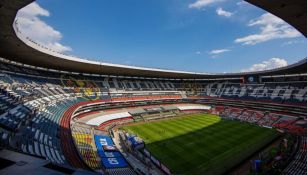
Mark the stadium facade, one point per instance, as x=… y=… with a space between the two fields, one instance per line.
x=45 y=96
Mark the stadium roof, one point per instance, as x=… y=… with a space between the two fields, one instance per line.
x=16 y=47
x=293 y=12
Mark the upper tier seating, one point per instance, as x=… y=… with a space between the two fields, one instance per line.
x=285 y=93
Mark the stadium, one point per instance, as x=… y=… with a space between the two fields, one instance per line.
x=61 y=114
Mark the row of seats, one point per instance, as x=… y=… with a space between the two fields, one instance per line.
x=10 y=77
x=289 y=93
x=32 y=126
x=268 y=120
x=13 y=118
x=85 y=145
x=25 y=78
x=4 y=138
x=68 y=146
x=298 y=165
x=41 y=136
x=8 y=100
x=121 y=171
x=281 y=93
x=106 y=125
x=290 y=124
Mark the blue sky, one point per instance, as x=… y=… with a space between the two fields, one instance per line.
x=192 y=35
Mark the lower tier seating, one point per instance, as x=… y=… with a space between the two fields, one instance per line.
x=298 y=166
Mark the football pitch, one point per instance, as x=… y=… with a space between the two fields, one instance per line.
x=201 y=143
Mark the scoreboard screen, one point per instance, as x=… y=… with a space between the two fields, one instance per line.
x=250 y=79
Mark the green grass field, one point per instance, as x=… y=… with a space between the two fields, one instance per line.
x=201 y=143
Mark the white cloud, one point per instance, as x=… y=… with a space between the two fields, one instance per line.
x=242 y=3
x=33 y=27
x=222 y=12
x=202 y=3
x=270 y=28
x=292 y=42
x=197 y=52
x=218 y=51
x=266 y=65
